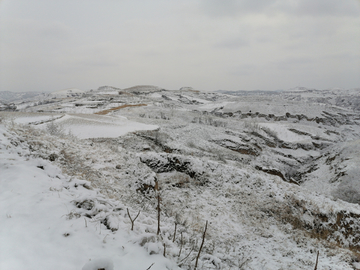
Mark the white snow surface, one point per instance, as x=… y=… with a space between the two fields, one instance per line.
x=94 y=126
x=85 y=126
x=71 y=213
x=38 y=230
x=284 y=133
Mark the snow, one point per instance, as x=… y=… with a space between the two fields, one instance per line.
x=155 y=95
x=192 y=98
x=71 y=213
x=284 y=134
x=211 y=106
x=37 y=231
x=327 y=180
x=67 y=92
x=86 y=126
x=27 y=119
x=96 y=126
x=142 y=88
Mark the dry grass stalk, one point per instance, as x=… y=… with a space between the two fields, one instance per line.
x=181 y=243
x=174 y=232
x=201 y=246
x=159 y=210
x=317 y=260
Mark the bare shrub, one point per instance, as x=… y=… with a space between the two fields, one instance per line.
x=55 y=129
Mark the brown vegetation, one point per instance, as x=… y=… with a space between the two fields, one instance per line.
x=118 y=108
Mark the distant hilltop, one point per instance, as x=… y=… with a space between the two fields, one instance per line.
x=8 y=96
x=70 y=92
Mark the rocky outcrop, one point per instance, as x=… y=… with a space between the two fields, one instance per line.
x=326 y=119
x=278 y=173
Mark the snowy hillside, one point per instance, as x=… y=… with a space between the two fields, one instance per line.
x=7 y=96
x=71 y=92
x=274 y=175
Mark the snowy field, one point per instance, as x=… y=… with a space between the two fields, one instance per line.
x=83 y=126
x=275 y=176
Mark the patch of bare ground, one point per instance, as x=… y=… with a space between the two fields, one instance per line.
x=120 y=107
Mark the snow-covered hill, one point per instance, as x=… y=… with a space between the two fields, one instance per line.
x=275 y=174
x=8 y=96
x=70 y=92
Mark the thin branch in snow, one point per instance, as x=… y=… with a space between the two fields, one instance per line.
x=174 y=232
x=186 y=256
x=201 y=246
x=181 y=243
x=317 y=260
x=159 y=210
x=132 y=220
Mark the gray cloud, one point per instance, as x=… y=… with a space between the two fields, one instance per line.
x=220 y=8
x=234 y=43
x=294 y=63
x=211 y=44
x=326 y=7
x=234 y=7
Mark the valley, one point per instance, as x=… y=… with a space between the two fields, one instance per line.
x=275 y=174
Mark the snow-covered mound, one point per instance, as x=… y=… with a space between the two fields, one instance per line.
x=142 y=89
x=70 y=92
x=107 y=90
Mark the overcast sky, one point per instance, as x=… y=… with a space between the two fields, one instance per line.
x=48 y=45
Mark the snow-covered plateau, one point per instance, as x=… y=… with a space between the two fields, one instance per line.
x=149 y=178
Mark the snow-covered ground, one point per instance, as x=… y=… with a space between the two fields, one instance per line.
x=83 y=126
x=67 y=92
x=276 y=181
x=40 y=229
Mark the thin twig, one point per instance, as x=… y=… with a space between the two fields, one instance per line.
x=164 y=250
x=317 y=260
x=132 y=220
x=187 y=255
x=174 y=232
x=150 y=266
x=201 y=246
x=181 y=244
x=158 y=209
